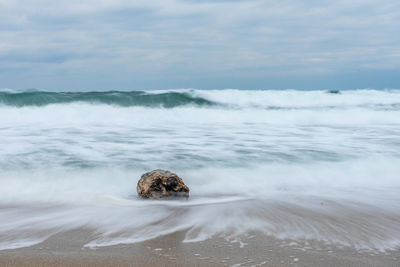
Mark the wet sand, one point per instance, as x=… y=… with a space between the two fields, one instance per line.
x=66 y=249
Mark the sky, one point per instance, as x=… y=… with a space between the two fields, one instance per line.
x=254 y=44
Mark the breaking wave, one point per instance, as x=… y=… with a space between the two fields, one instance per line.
x=230 y=98
x=118 y=98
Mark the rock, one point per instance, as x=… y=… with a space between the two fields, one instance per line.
x=161 y=184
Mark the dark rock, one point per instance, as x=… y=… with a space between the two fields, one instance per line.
x=161 y=184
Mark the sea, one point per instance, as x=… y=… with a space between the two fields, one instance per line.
x=290 y=164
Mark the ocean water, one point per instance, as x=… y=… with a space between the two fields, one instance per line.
x=299 y=165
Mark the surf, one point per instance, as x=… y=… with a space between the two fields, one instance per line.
x=301 y=165
x=228 y=98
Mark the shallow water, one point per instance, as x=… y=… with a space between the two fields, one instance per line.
x=291 y=164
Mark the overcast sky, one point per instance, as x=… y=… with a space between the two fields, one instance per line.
x=254 y=44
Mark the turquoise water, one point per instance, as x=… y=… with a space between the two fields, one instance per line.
x=123 y=99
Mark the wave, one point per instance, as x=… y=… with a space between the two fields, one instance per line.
x=118 y=98
x=228 y=98
x=303 y=99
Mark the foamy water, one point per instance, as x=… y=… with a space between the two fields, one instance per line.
x=290 y=164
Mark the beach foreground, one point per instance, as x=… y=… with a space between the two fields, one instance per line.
x=66 y=249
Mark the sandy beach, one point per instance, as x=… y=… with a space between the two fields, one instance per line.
x=66 y=249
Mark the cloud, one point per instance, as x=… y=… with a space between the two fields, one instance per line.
x=175 y=40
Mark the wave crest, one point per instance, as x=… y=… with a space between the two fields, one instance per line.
x=228 y=98
x=118 y=98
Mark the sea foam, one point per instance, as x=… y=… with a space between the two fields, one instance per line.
x=290 y=164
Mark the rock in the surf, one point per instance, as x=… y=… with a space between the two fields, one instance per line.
x=161 y=184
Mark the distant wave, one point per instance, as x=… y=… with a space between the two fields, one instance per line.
x=228 y=98
x=118 y=98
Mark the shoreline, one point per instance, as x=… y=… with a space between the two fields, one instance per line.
x=66 y=249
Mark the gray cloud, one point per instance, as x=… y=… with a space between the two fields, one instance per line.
x=174 y=42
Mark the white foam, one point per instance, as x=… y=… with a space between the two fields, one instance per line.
x=329 y=174
x=86 y=115
x=335 y=203
x=300 y=99
x=210 y=186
